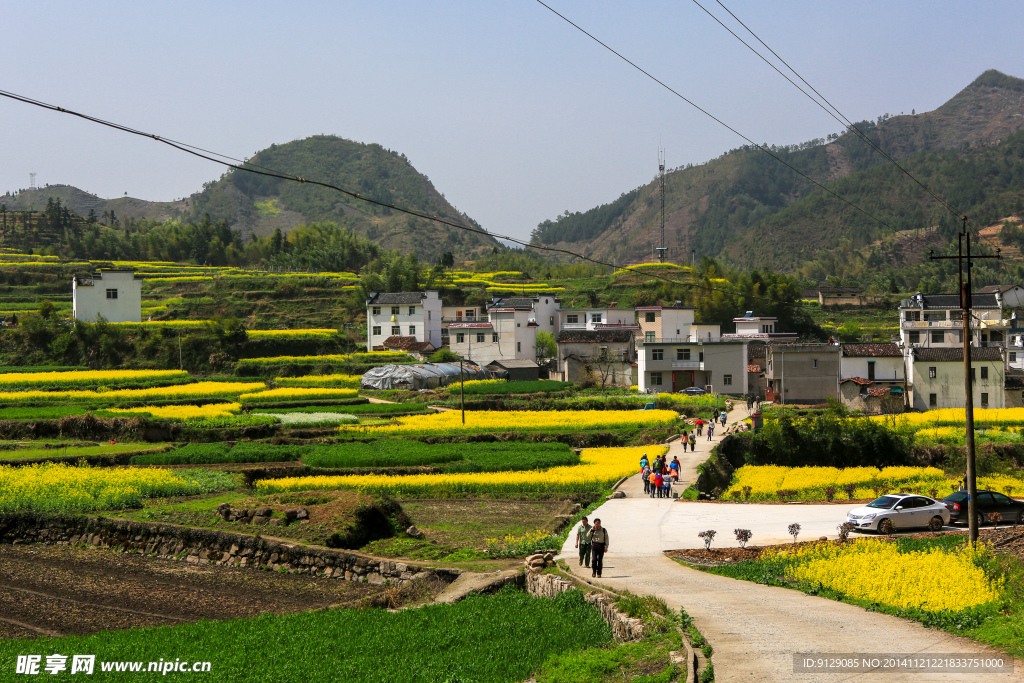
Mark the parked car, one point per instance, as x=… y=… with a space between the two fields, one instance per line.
x=895 y=511
x=988 y=501
x=692 y=391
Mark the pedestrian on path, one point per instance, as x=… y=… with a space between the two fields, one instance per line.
x=598 y=547
x=724 y=418
x=666 y=488
x=582 y=534
x=645 y=474
x=643 y=461
x=711 y=430
x=700 y=426
x=674 y=468
x=693 y=442
x=685 y=438
x=659 y=480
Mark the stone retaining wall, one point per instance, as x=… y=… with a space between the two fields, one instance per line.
x=624 y=628
x=204 y=546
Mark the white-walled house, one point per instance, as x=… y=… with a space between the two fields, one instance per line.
x=936 y=377
x=671 y=366
x=596 y=319
x=936 y=321
x=751 y=326
x=664 y=323
x=508 y=333
x=406 y=314
x=869 y=372
x=114 y=294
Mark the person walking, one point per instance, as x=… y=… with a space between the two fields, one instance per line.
x=674 y=468
x=723 y=417
x=700 y=427
x=685 y=438
x=645 y=474
x=693 y=442
x=658 y=481
x=711 y=430
x=667 y=488
x=598 y=537
x=582 y=534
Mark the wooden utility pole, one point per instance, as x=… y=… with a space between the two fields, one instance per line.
x=965 y=307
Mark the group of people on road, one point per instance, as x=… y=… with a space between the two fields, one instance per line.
x=592 y=541
x=659 y=476
x=690 y=438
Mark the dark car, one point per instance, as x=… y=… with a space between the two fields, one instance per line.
x=692 y=391
x=988 y=501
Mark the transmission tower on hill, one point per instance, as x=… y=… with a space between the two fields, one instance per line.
x=662 y=251
x=32 y=181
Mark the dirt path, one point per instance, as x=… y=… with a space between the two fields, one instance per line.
x=755 y=630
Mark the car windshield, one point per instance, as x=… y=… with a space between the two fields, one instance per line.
x=956 y=497
x=885 y=502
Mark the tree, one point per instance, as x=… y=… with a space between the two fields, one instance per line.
x=444 y=355
x=546 y=346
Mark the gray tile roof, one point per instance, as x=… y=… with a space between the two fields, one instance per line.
x=872 y=350
x=395 y=298
x=956 y=355
x=594 y=336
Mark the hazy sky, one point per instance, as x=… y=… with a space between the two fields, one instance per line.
x=513 y=114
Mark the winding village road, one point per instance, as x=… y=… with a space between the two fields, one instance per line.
x=755 y=630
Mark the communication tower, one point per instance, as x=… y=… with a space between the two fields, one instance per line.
x=32 y=181
x=662 y=250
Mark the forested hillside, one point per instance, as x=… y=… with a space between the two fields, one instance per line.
x=745 y=202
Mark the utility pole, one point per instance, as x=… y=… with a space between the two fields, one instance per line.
x=965 y=306
x=462 y=390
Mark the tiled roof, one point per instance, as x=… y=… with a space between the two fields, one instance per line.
x=407 y=344
x=956 y=355
x=872 y=350
x=519 y=303
x=952 y=301
x=757 y=349
x=857 y=380
x=753 y=368
x=594 y=336
x=513 y=363
x=1014 y=379
x=992 y=289
x=878 y=391
x=395 y=298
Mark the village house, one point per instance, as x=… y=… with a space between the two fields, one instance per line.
x=458 y=314
x=871 y=375
x=671 y=366
x=605 y=357
x=802 y=373
x=409 y=314
x=509 y=332
x=417 y=349
x=936 y=321
x=596 y=318
x=936 y=378
x=116 y=295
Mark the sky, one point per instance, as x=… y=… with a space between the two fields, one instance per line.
x=511 y=112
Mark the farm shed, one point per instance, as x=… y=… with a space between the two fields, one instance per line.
x=517 y=370
x=420 y=375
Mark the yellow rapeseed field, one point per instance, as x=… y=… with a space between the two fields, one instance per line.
x=477 y=421
x=185 y=412
x=60 y=487
x=868 y=569
x=72 y=377
x=285 y=334
x=598 y=469
x=296 y=394
x=338 y=380
x=810 y=482
x=955 y=417
x=178 y=391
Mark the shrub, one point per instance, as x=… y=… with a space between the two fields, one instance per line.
x=708 y=536
x=743 y=536
x=794 y=531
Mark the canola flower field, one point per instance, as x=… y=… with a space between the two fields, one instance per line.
x=931 y=579
x=956 y=417
x=483 y=421
x=11 y=380
x=286 y=394
x=184 y=412
x=599 y=468
x=809 y=483
x=336 y=380
x=197 y=390
x=52 y=487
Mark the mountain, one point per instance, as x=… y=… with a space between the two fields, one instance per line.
x=259 y=204
x=751 y=210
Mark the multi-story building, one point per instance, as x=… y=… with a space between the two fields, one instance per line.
x=459 y=314
x=508 y=333
x=936 y=321
x=406 y=314
x=671 y=366
x=114 y=294
x=664 y=323
x=802 y=373
x=597 y=319
x=755 y=327
x=936 y=378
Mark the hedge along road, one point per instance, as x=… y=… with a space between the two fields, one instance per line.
x=755 y=630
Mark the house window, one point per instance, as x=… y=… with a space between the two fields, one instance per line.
x=914 y=337
x=656 y=379
x=648 y=336
x=395 y=329
x=111 y=293
x=395 y=310
x=519 y=324
x=1013 y=356
x=682 y=354
x=376 y=310
x=479 y=337
x=494 y=338
x=700 y=357
x=657 y=354
x=933 y=400
x=727 y=380
x=931 y=372
x=984 y=399
x=871 y=369
x=974 y=375
x=551 y=320
x=412 y=330
x=913 y=315
x=937 y=337
x=572 y=319
x=460 y=338
x=814 y=362
x=470 y=314
x=649 y=317
x=376 y=330
x=595 y=317
x=984 y=373
x=412 y=310
x=519 y=346
x=429 y=315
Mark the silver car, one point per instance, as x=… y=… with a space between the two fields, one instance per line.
x=896 y=511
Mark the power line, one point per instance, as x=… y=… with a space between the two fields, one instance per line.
x=240 y=165
x=712 y=116
x=841 y=118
